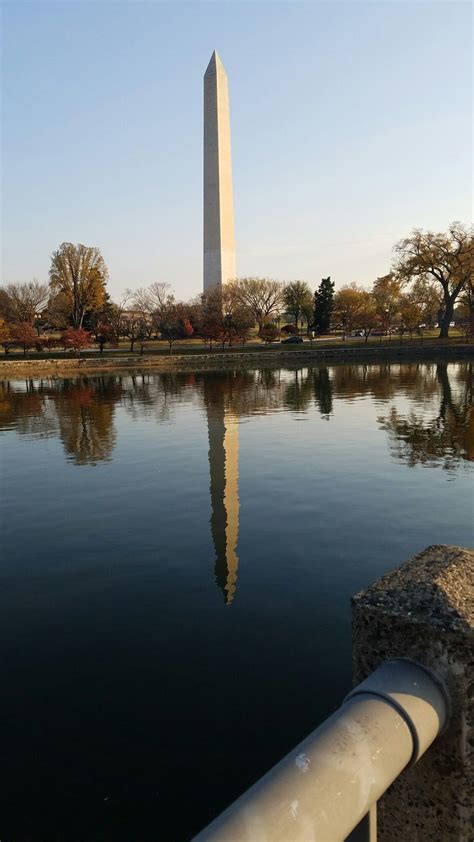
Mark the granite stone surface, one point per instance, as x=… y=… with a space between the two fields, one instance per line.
x=424 y=610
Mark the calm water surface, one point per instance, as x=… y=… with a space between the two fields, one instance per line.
x=178 y=555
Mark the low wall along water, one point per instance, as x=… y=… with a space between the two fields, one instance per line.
x=220 y=360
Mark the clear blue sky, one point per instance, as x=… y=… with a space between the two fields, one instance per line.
x=351 y=124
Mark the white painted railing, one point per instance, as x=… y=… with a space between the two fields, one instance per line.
x=327 y=788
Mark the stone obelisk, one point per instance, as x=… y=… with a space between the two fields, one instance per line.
x=219 y=243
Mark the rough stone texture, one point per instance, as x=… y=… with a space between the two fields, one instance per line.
x=219 y=244
x=56 y=367
x=425 y=611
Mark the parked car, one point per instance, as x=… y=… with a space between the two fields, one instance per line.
x=292 y=340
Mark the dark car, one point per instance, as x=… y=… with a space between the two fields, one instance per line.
x=292 y=340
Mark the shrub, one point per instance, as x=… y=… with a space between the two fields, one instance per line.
x=75 y=338
x=269 y=333
x=24 y=334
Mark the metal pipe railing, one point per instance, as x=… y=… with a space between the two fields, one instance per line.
x=323 y=788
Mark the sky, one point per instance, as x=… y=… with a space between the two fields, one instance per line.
x=351 y=124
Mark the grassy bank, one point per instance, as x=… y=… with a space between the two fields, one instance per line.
x=198 y=359
x=159 y=347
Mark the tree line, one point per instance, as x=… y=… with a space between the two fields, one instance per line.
x=430 y=280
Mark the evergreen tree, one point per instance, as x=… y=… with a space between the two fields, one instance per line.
x=323 y=305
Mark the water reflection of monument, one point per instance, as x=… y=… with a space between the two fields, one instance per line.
x=222 y=423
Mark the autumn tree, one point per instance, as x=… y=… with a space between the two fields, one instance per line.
x=212 y=329
x=101 y=315
x=297 y=298
x=466 y=299
x=152 y=303
x=428 y=295
x=140 y=301
x=104 y=335
x=132 y=327
x=171 y=324
x=187 y=329
x=418 y=306
x=118 y=312
x=386 y=291
x=366 y=318
x=347 y=303
x=5 y=306
x=194 y=312
x=445 y=257
x=76 y=339
x=411 y=313
x=237 y=319
x=260 y=296
x=269 y=333
x=23 y=334
x=49 y=342
x=6 y=338
x=466 y=309
x=242 y=324
x=58 y=311
x=126 y=320
x=80 y=273
x=307 y=312
x=213 y=315
x=26 y=302
x=323 y=305
x=158 y=297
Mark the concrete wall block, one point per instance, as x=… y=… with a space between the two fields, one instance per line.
x=425 y=611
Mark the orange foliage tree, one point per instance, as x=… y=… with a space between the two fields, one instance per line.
x=76 y=339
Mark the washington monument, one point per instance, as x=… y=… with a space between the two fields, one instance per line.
x=219 y=267
x=219 y=243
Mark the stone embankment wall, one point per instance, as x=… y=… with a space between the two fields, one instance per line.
x=55 y=367
x=425 y=611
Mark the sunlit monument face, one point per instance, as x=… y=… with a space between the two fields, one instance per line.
x=219 y=243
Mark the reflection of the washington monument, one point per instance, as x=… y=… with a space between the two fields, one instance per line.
x=222 y=423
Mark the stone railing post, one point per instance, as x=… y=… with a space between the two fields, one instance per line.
x=425 y=611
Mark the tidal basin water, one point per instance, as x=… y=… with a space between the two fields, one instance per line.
x=177 y=559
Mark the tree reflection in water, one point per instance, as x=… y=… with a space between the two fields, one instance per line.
x=81 y=411
x=322 y=391
x=85 y=415
x=438 y=428
x=444 y=438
